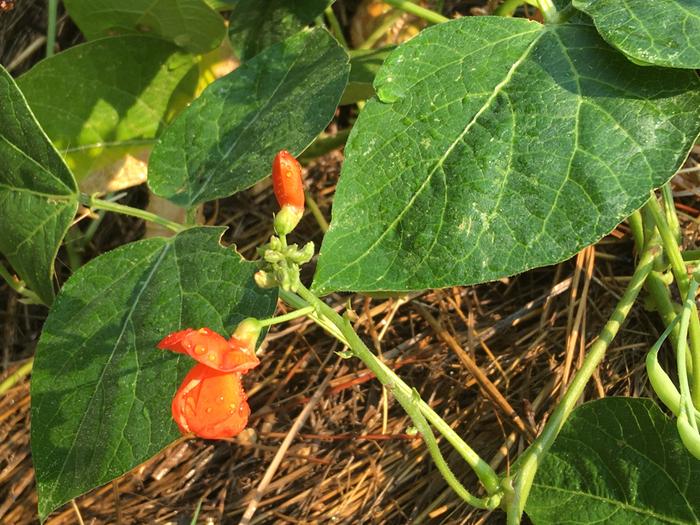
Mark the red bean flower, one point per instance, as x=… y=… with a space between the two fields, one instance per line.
x=211 y=402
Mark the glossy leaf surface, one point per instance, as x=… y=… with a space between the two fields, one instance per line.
x=660 y=32
x=617 y=461
x=38 y=194
x=257 y=24
x=190 y=24
x=101 y=391
x=226 y=139
x=101 y=100
x=463 y=171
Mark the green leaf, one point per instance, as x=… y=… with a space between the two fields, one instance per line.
x=257 y=24
x=617 y=461
x=225 y=140
x=659 y=32
x=38 y=194
x=364 y=65
x=191 y=24
x=499 y=145
x=103 y=99
x=101 y=391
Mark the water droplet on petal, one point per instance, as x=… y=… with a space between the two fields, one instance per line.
x=220 y=399
x=212 y=357
x=209 y=409
x=199 y=350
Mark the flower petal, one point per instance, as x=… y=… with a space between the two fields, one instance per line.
x=186 y=397
x=211 y=403
x=211 y=349
x=173 y=341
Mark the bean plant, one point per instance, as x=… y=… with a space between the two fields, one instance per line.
x=485 y=146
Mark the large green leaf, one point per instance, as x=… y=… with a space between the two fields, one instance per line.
x=38 y=194
x=499 y=145
x=191 y=24
x=225 y=140
x=617 y=461
x=100 y=100
x=101 y=391
x=660 y=32
x=257 y=24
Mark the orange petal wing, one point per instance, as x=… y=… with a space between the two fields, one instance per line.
x=217 y=407
x=174 y=341
x=185 y=399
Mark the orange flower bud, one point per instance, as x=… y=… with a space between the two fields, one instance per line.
x=289 y=191
x=286 y=180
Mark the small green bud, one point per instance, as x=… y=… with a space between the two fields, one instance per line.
x=287 y=219
x=247 y=332
x=264 y=279
x=272 y=256
x=303 y=255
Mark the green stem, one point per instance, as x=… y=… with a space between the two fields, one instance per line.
x=670 y=243
x=412 y=409
x=378 y=33
x=670 y=209
x=508 y=7
x=530 y=460
x=301 y=312
x=51 y=27
x=661 y=295
x=549 y=11
x=420 y=12
x=19 y=286
x=681 y=355
x=403 y=394
x=673 y=254
x=316 y=212
x=335 y=26
x=637 y=227
x=99 y=204
x=16 y=376
x=295 y=301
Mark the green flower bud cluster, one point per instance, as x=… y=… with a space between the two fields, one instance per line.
x=281 y=264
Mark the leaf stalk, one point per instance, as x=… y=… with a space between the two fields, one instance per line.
x=94 y=203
